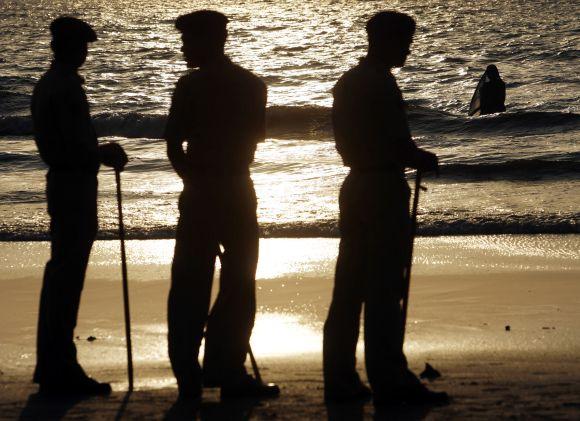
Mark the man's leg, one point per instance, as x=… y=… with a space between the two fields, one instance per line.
x=341 y=329
x=232 y=317
x=73 y=229
x=385 y=360
x=390 y=378
x=389 y=240
x=189 y=296
x=387 y=223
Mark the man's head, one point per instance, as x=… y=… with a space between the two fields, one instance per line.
x=390 y=36
x=70 y=38
x=203 y=34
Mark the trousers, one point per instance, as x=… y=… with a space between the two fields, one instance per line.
x=373 y=253
x=215 y=211
x=72 y=206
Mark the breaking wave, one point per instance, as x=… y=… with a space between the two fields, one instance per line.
x=311 y=120
x=428 y=225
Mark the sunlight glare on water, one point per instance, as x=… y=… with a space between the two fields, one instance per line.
x=522 y=164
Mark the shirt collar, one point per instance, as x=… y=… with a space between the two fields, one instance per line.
x=66 y=69
x=218 y=63
x=366 y=62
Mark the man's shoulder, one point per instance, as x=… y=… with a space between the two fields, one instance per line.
x=58 y=83
x=362 y=77
x=189 y=78
x=237 y=72
x=246 y=77
x=351 y=76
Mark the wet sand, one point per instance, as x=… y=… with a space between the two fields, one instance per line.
x=465 y=291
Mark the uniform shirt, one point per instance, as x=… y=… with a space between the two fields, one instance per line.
x=370 y=121
x=63 y=130
x=220 y=112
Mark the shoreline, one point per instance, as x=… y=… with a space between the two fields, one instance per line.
x=113 y=236
x=464 y=292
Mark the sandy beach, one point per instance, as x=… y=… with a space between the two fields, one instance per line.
x=465 y=293
x=495 y=291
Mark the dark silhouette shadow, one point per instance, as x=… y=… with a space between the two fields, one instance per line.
x=402 y=412
x=67 y=143
x=123 y=407
x=41 y=407
x=218 y=111
x=345 y=411
x=237 y=409
x=489 y=95
x=373 y=138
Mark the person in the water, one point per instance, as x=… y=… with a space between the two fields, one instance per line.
x=489 y=96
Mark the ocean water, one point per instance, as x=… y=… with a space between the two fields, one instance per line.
x=517 y=172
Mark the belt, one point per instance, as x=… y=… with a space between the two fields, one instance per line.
x=386 y=169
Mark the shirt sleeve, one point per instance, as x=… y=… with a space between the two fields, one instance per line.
x=393 y=141
x=260 y=113
x=175 y=128
x=348 y=123
x=78 y=145
x=176 y=131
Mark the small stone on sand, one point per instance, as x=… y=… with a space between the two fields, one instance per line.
x=91 y=339
x=508 y=328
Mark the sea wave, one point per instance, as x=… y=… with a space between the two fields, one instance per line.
x=314 y=121
x=428 y=226
x=559 y=165
x=511 y=169
x=532 y=167
x=17 y=157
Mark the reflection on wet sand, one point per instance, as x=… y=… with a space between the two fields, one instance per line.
x=274 y=335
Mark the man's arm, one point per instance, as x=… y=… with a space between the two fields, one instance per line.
x=260 y=113
x=77 y=143
x=175 y=133
x=249 y=128
x=397 y=143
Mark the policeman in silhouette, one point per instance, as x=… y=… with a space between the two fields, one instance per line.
x=218 y=111
x=68 y=144
x=372 y=136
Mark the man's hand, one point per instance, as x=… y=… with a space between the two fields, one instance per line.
x=426 y=161
x=113 y=155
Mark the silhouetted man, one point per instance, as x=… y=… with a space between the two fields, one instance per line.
x=372 y=136
x=219 y=111
x=68 y=144
x=489 y=95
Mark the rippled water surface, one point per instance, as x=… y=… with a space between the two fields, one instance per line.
x=516 y=172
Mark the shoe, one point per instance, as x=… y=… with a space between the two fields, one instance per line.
x=83 y=386
x=211 y=382
x=189 y=388
x=249 y=387
x=189 y=394
x=415 y=395
x=347 y=393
